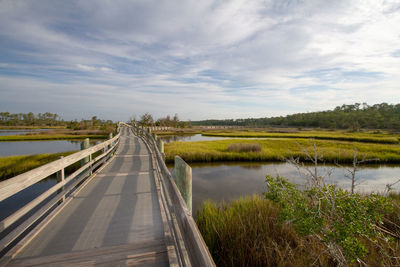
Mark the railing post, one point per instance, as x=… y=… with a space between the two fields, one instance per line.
x=85 y=145
x=183 y=179
x=60 y=178
x=110 y=136
x=160 y=145
x=91 y=166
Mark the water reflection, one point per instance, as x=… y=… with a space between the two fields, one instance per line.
x=40 y=147
x=228 y=181
x=4 y=132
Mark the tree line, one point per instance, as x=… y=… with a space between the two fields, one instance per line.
x=168 y=121
x=30 y=119
x=354 y=117
x=52 y=119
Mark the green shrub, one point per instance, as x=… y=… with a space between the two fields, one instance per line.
x=340 y=219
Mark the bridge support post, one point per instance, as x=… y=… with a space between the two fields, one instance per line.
x=183 y=179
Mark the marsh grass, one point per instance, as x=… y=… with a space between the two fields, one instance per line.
x=279 y=149
x=15 y=165
x=240 y=147
x=247 y=232
x=366 y=137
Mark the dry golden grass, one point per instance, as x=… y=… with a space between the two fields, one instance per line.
x=240 y=147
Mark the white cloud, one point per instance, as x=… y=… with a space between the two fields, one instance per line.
x=202 y=58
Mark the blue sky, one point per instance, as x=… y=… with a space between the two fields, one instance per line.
x=199 y=59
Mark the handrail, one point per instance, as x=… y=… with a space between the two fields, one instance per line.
x=195 y=246
x=13 y=185
x=18 y=183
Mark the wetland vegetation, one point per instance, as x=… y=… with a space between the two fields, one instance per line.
x=257 y=231
x=14 y=165
x=280 y=149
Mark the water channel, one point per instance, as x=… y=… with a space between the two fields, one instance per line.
x=225 y=181
x=4 y=132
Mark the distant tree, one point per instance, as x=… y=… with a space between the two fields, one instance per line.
x=146 y=119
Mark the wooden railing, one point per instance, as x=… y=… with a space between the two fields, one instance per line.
x=36 y=209
x=189 y=243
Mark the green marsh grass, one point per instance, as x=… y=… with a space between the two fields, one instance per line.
x=279 y=149
x=367 y=137
x=247 y=232
x=14 y=165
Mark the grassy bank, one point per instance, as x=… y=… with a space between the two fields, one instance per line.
x=279 y=149
x=247 y=232
x=42 y=137
x=14 y=165
x=367 y=137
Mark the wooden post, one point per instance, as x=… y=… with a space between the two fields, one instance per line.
x=60 y=178
x=160 y=145
x=84 y=145
x=183 y=179
x=110 y=136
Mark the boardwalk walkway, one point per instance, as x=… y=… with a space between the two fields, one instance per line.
x=115 y=219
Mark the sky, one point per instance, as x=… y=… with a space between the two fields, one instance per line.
x=208 y=59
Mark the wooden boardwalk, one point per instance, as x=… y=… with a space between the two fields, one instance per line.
x=115 y=219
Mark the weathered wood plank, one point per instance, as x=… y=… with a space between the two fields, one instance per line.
x=148 y=252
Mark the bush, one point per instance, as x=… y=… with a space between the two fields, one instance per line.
x=342 y=221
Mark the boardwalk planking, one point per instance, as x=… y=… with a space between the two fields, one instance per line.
x=118 y=209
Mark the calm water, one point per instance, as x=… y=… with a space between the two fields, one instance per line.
x=12 y=204
x=17 y=201
x=39 y=147
x=20 y=132
x=228 y=181
x=199 y=137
